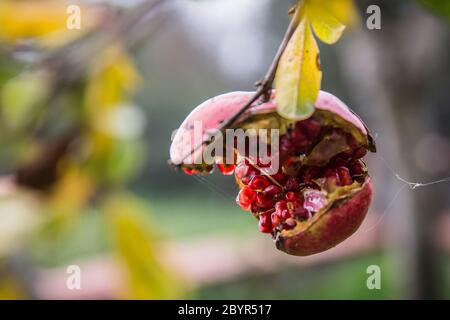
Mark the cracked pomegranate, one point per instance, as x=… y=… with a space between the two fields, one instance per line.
x=322 y=190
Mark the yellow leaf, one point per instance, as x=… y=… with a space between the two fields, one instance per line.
x=326 y=26
x=72 y=191
x=111 y=78
x=44 y=20
x=299 y=77
x=136 y=248
x=342 y=10
x=21 y=96
x=11 y=288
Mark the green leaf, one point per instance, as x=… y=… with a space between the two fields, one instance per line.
x=299 y=77
x=21 y=96
x=441 y=7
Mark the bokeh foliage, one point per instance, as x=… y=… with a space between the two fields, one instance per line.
x=70 y=136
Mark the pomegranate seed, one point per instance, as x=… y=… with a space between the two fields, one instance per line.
x=359 y=153
x=281 y=205
x=292 y=184
x=286 y=215
x=265 y=223
x=286 y=145
x=332 y=177
x=357 y=168
x=280 y=177
x=342 y=158
x=310 y=174
x=245 y=172
x=276 y=220
x=226 y=170
x=299 y=211
x=272 y=190
x=245 y=198
x=282 y=210
x=299 y=126
x=292 y=196
x=263 y=202
x=312 y=128
x=292 y=166
x=254 y=209
x=259 y=183
x=241 y=170
x=189 y=171
x=330 y=173
x=290 y=223
x=300 y=140
x=344 y=176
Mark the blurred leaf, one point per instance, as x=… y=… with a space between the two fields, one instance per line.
x=11 y=289
x=441 y=7
x=113 y=148
x=125 y=122
x=109 y=82
x=66 y=238
x=326 y=26
x=20 y=216
x=111 y=160
x=299 y=77
x=135 y=243
x=71 y=192
x=343 y=10
x=21 y=96
x=44 y=20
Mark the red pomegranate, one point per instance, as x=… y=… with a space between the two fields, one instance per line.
x=321 y=191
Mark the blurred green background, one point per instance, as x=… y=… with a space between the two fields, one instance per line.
x=86 y=118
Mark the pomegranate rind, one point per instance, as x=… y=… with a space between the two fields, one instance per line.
x=331 y=228
x=214 y=112
x=211 y=114
x=326 y=102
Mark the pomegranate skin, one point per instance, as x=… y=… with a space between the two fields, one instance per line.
x=213 y=112
x=330 y=229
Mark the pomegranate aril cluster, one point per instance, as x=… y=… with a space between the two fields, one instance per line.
x=270 y=201
x=278 y=201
